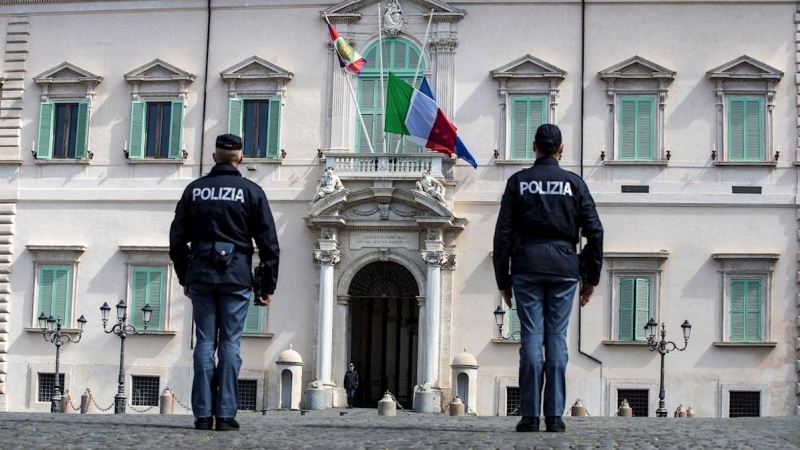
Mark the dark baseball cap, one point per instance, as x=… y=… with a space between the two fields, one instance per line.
x=229 y=142
x=548 y=135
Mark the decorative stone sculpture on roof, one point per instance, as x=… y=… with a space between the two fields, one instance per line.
x=393 y=19
x=328 y=184
x=431 y=187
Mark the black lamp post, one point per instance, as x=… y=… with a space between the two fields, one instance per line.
x=51 y=330
x=663 y=347
x=499 y=319
x=123 y=330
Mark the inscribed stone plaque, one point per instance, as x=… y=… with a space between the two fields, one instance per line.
x=384 y=239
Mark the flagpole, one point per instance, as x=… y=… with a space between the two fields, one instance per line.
x=358 y=110
x=383 y=89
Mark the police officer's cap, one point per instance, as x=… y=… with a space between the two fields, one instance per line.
x=548 y=135
x=229 y=142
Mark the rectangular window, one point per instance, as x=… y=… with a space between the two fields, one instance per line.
x=156 y=129
x=148 y=287
x=513 y=327
x=248 y=390
x=634 y=308
x=744 y=404
x=55 y=292
x=512 y=401
x=745 y=129
x=527 y=114
x=638 y=399
x=144 y=391
x=47 y=386
x=63 y=130
x=636 y=128
x=745 y=309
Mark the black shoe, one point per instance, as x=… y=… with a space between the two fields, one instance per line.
x=528 y=424
x=227 y=424
x=554 y=424
x=204 y=423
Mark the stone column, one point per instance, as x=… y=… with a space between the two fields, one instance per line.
x=433 y=305
x=321 y=391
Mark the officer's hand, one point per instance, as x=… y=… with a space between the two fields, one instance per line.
x=263 y=299
x=586 y=293
x=506 y=293
x=186 y=291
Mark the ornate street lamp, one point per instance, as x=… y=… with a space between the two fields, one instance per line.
x=51 y=330
x=123 y=330
x=662 y=346
x=499 y=319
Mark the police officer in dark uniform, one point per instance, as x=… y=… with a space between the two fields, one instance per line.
x=211 y=246
x=542 y=211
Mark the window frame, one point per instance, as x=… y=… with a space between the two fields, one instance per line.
x=637 y=101
x=724 y=396
x=651 y=283
x=56 y=256
x=149 y=257
x=751 y=266
x=237 y=107
x=530 y=130
x=134 y=308
x=729 y=131
x=263 y=331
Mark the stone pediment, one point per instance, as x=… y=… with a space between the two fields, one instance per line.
x=528 y=67
x=745 y=67
x=67 y=72
x=636 y=68
x=158 y=70
x=255 y=68
x=350 y=11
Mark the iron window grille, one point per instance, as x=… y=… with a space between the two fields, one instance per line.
x=47 y=386
x=512 y=401
x=247 y=395
x=638 y=399
x=744 y=404
x=145 y=391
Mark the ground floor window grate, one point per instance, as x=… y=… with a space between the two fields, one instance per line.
x=47 y=386
x=638 y=399
x=145 y=391
x=745 y=404
x=512 y=401
x=247 y=395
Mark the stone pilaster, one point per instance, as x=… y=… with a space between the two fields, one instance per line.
x=443 y=53
x=14 y=70
x=7 y=212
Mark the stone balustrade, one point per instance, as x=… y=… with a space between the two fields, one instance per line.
x=389 y=166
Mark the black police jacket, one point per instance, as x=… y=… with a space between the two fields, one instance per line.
x=543 y=208
x=223 y=207
x=351 y=379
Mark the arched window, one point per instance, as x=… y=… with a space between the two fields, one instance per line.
x=401 y=57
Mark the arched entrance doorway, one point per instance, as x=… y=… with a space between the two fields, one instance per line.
x=384 y=332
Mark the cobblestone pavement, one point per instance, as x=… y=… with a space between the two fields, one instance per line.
x=364 y=429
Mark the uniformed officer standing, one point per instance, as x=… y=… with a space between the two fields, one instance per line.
x=543 y=208
x=211 y=246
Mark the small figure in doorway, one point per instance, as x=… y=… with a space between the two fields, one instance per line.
x=350 y=385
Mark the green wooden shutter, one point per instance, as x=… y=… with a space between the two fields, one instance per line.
x=627 y=293
x=627 y=129
x=737 y=308
x=752 y=320
x=147 y=287
x=513 y=319
x=274 y=128
x=254 y=319
x=367 y=97
x=82 y=133
x=137 y=138
x=537 y=115
x=235 y=111
x=176 y=130
x=47 y=277
x=519 y=129
x=754 y=142
x=736 y=130
x=642 y=305
x=44 y=146
x=55 y=287
x=139 y=293
x=644 y=129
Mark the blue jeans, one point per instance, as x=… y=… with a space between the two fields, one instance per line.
x=219 y=315
x=544 y=304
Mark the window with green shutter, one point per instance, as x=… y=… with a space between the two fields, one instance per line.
x=148 y=287
x=55 y=292
x=745 y=309
x=63 y=130
x=527 y=114
x=634 y=308
x=254 y=321
x=636 y=128
x=745 y=129
x=258 y=123
x=156 y=129
x=513 y=320
x=400 y=57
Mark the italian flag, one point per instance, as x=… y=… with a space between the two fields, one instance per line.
x=411 y=113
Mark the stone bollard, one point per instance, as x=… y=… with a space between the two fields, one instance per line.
x=387 y=407
x=66 y=400
x=579 y=409
x=690 y=412
x=625 y=410
x=681 y=411
x=166 y=402
x=457 y=407
x=86 y=402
